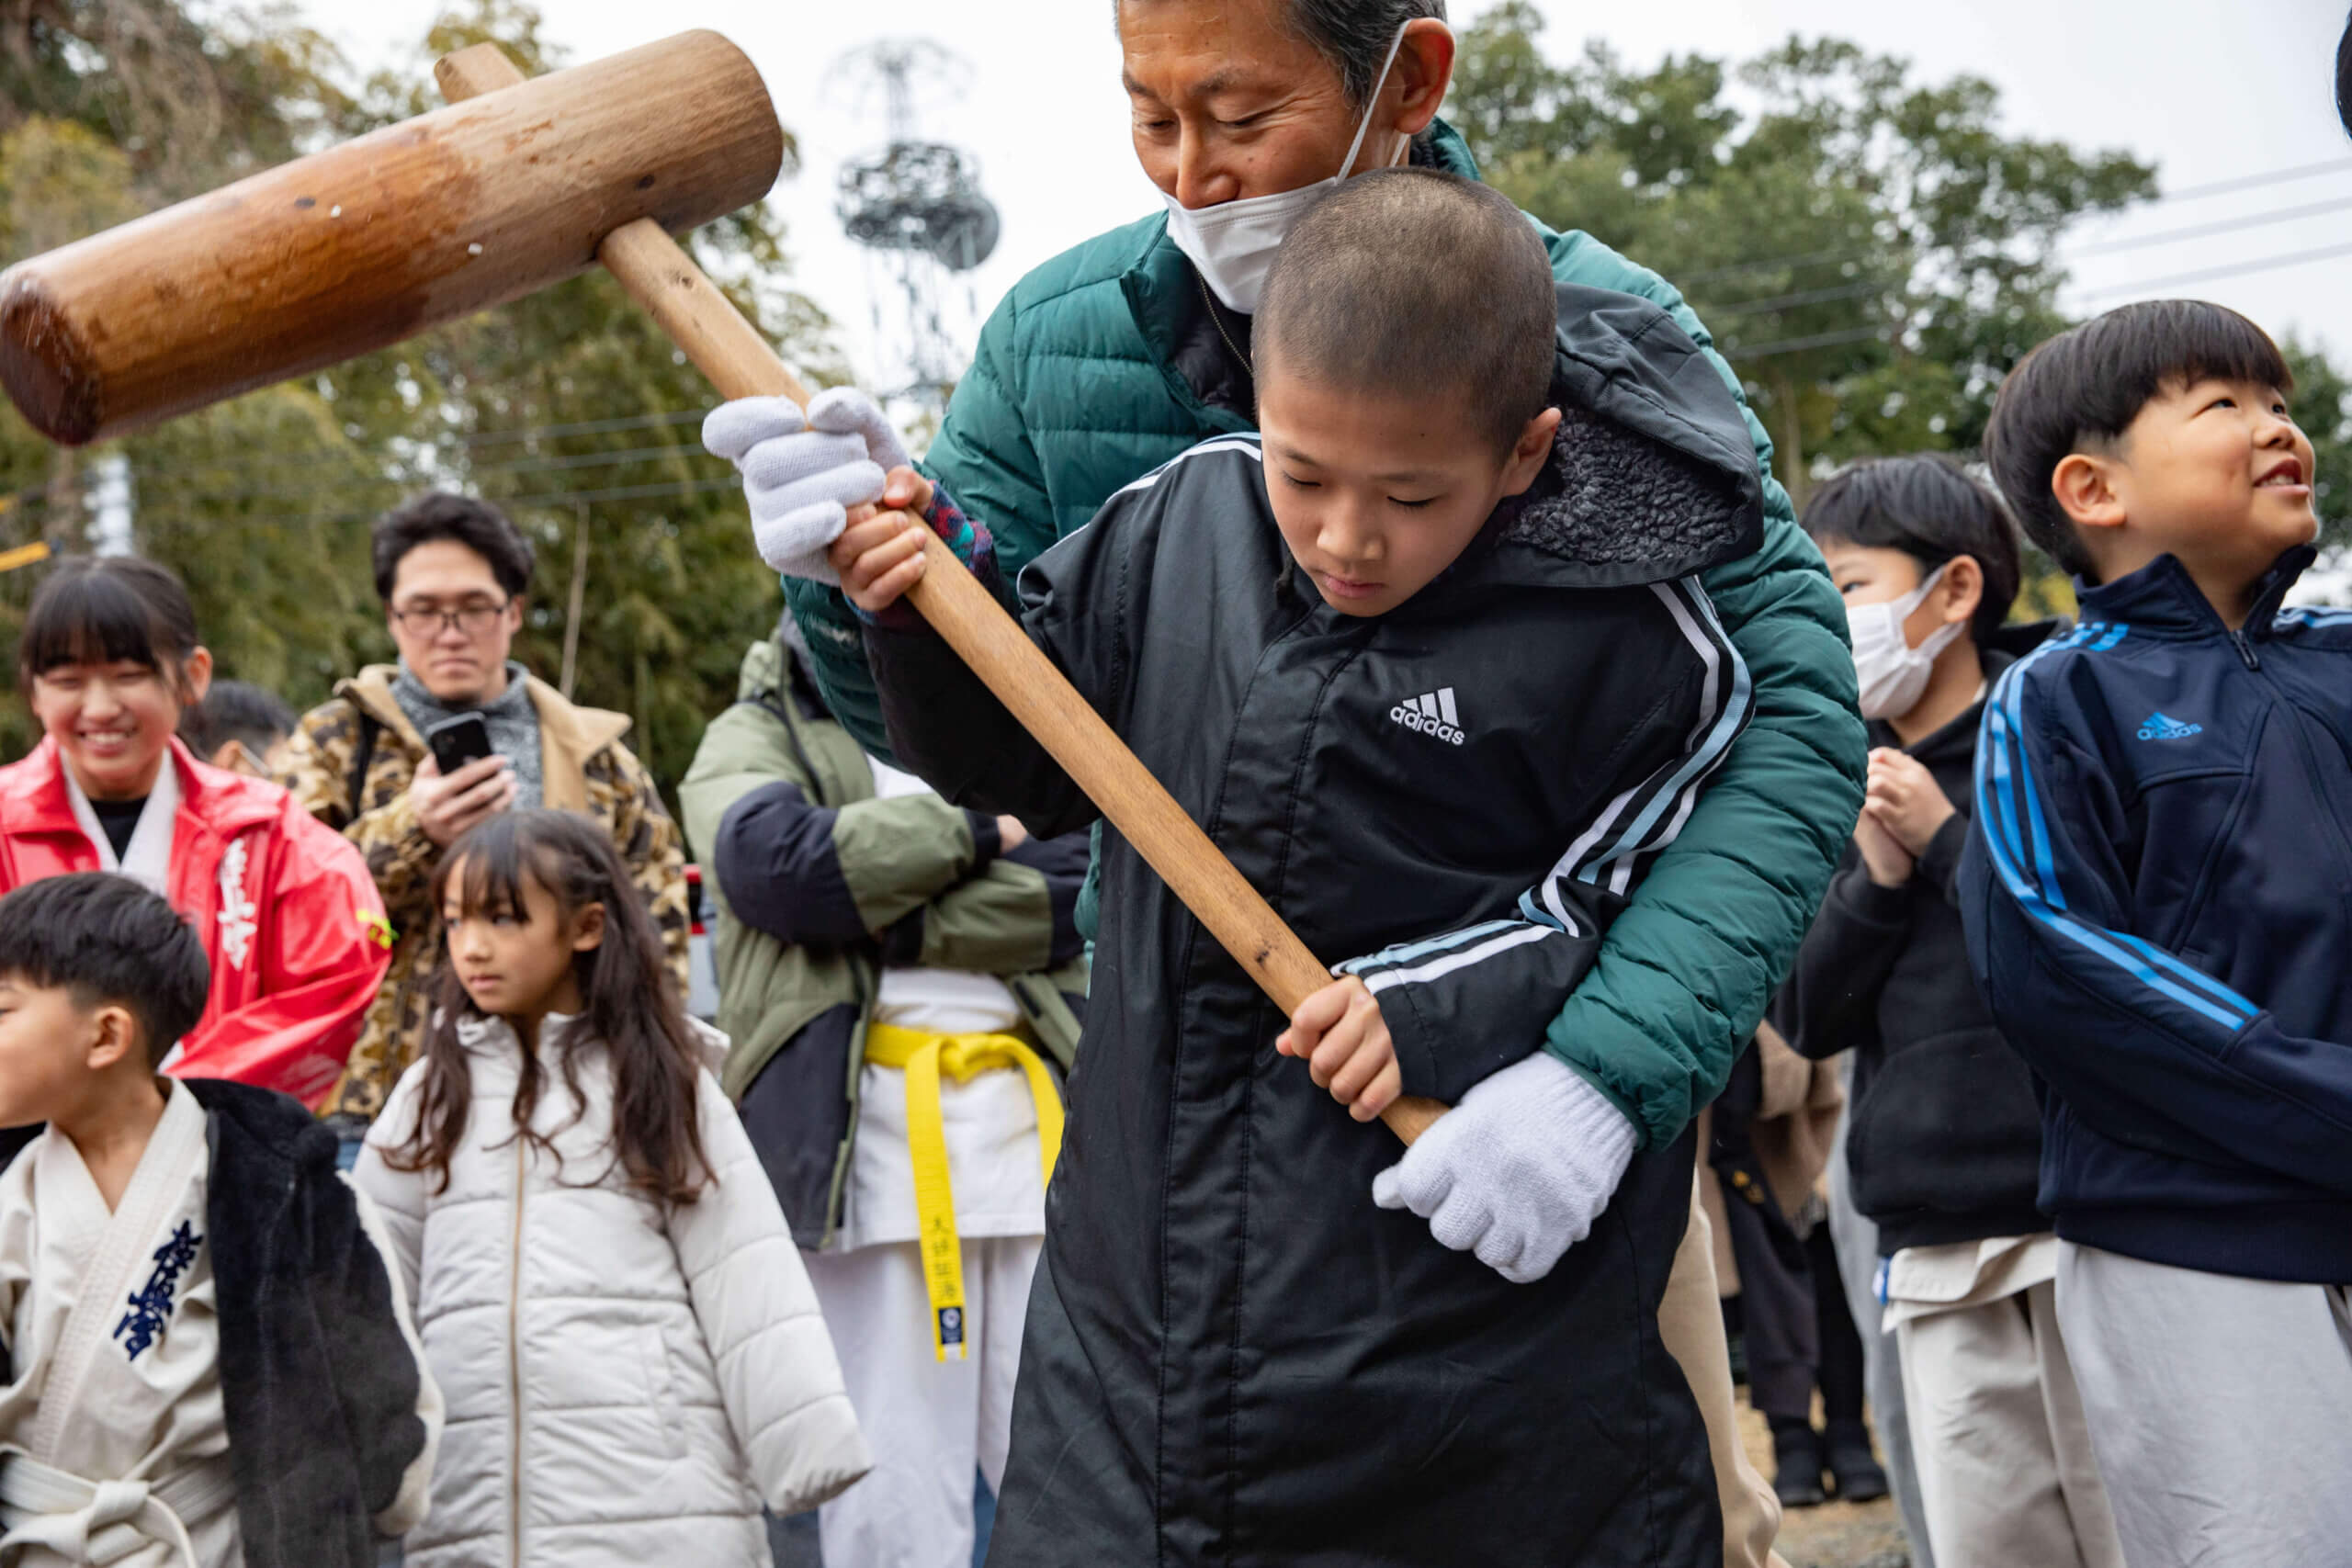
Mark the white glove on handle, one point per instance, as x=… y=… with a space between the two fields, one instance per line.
x=801 y=475
x=1518 y=1170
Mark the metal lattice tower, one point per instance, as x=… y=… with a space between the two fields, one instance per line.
x=917 y=208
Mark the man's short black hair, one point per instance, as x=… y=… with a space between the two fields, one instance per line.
x=237 y=710
x=1422 y=283
x=2085 y=387
x=108 y=610
x=1929 y=508
x=105 y=939
x=440 y=514
x=2344 y=77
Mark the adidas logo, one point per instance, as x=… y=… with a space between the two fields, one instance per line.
x=1432 y=714
x=2158 y=727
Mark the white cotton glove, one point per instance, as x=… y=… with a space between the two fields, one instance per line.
x=1518 y=1171
x=802 y=475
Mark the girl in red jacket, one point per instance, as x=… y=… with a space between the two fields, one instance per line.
x=291 y=923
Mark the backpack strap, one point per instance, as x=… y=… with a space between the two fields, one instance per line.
x=779 y=712
x=363 y=757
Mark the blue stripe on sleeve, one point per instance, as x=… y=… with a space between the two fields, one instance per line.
x=2004 y=780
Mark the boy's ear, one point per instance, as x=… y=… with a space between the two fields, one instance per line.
x=588 y=928
x=114 y=1035
x=2088 y=489
x=1962 y=588
x=1529 y=452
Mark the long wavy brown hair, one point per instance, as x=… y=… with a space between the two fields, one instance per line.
x=630 y=1008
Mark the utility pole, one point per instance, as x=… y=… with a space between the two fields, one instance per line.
x=578 y=595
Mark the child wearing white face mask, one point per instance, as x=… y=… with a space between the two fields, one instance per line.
x=1945 y=1140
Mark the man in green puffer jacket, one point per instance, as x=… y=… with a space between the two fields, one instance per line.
x=1115 y=356
x=1103 y=363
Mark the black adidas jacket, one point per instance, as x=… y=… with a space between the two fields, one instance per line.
x=1232 y=1356
x=1945 y=1134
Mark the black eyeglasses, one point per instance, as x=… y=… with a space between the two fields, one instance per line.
x=426 y=620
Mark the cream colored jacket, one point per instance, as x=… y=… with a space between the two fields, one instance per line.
x=626 y=1384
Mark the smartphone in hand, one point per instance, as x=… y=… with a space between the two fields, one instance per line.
x=457 y=741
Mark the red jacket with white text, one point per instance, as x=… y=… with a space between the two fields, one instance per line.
x=291 y=922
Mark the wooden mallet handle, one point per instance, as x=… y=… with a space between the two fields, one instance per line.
x=660 y=276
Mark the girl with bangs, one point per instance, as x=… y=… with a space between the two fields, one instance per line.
x=633 y=1358
x=292 y=926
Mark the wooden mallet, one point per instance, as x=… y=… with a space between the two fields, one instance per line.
x=521 y=183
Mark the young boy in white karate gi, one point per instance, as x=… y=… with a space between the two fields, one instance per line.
x=204 y=1360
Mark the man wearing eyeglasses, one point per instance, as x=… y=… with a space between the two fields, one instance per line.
x=453 y=573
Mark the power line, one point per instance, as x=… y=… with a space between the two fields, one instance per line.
x=1857 y=253
x=1732 y=349
x=1799 y=344
x=594 y=460
x=1805 y=297
x=691 y=451
x=589 y=428
x=2208 y=275
x=680 y=488
x=2250 y=182
x=1775 y=263
x=2201 y=231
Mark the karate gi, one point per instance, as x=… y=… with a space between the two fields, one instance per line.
x=113 y=1430
x=931 y=1421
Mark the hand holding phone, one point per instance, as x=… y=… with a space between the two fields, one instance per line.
x=462 y=781
x=460 y=741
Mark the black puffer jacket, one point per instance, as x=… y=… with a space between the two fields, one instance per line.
x=319 y=1385
x=1945 y=1136
x=1232 y=1355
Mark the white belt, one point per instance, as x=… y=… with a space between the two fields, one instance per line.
x=99 y=1522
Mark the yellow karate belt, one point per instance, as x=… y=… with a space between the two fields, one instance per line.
x=923 y=1056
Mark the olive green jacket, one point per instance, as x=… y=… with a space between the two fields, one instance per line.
x=816 y=884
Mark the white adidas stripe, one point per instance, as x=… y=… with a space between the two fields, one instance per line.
x=1215 y=443
x=1518 y=937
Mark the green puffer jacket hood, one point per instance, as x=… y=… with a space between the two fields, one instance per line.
x=1103 y=363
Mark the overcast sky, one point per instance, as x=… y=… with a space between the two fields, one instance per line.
x=2208 y=90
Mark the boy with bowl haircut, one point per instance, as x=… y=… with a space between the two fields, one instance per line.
x=2154 y=901
x=1482 y=501
x=205 y=1358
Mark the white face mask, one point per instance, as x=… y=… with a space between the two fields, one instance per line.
x=1893 y=673
x=1234 y=242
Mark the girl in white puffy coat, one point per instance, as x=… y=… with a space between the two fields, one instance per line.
x=631 y=1356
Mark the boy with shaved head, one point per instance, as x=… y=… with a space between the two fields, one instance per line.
x=1439 y=621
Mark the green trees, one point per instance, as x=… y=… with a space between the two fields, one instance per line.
x=567 y=408
x=1872 y=250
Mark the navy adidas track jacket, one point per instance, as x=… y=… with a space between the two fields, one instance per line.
x=2158 y=901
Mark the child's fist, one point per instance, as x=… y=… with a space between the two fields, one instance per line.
x=879 y=555
x=1340 y=1032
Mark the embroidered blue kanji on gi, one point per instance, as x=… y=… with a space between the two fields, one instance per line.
x=150 y=1304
